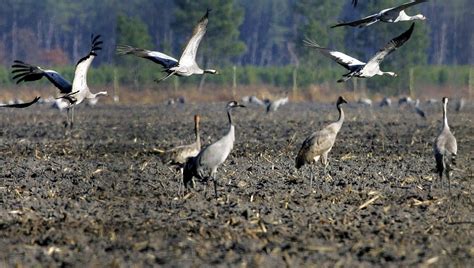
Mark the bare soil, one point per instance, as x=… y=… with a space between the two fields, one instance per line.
x=99 y=195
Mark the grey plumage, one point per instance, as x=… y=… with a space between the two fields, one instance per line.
x=361 y=69
x=179 y=155
x=418 y=110
x=272 y=106
x=74 y=93
x=386 y=101
x=317 y=145
x=460 y=104
x=186 y=65
x=445 y=148
x=212 y=156
x=389 y=15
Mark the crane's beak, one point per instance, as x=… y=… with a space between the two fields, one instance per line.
x=241 y=105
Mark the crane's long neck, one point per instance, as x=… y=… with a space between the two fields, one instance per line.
x=341 y=118
x=196 y=132
x=445 y=116
x=229 y=115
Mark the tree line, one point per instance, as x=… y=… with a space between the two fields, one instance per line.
x=264 y=33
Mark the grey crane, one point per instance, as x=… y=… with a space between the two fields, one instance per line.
x=213 y=155
x=186 y=65
x=74 y=93
x=445 y=148
x=405 y=100
x=389 y=15
x=319 y=144
x=418 y=110
x=361 y=69
x=460 y=104
x=272 y=106
x=20 y=105
x=365 y=102
x=386 y=101
x=178 y=155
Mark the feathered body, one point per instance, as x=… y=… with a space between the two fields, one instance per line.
x=186 y=65
x=319 y=144
x=389 y=15
x=445 y=147
x=180 y=154
x=361 y=69
x=212 y=156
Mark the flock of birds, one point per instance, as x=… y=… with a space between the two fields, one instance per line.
x=193 y=159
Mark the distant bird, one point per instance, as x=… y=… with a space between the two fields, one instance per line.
x=75 y=93
x=186 y=65
x=405 y=100
x=20 y=105
x=432 y=101
x=253 y=100
x=445 y=148
x=361 y=69
x=317 y=145
x=213 y=155
x=418 y=110
x=386 y=101
x=365 y=102
x=389 y=15
x=272 y=106
x=460 y=104
x=60 y=104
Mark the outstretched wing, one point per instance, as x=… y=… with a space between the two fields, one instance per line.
x=344 y=60
x=20 y=105
x=188 y=58
x=82 y=66
x=390 y=47
x=155 y=56
x=399 y=8
x=27 y=72
x=359 y=23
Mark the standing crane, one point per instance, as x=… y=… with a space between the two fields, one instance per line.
x=318 y=145
x=445 y=148
x=212 y=156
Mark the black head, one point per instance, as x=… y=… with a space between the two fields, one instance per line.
x=445 y=100
x=340 y=100
x=233 y=104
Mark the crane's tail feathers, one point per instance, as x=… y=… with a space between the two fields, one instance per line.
x=453 y=159
x=311 y=43
x=126 y=49
x=96 y=42
x=299 y=162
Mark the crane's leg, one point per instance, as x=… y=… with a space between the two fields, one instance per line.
x=164 y=78
x=449 y=180
x=311 y=176
x=66 y=124
x=72 y=117
x=180 y=183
